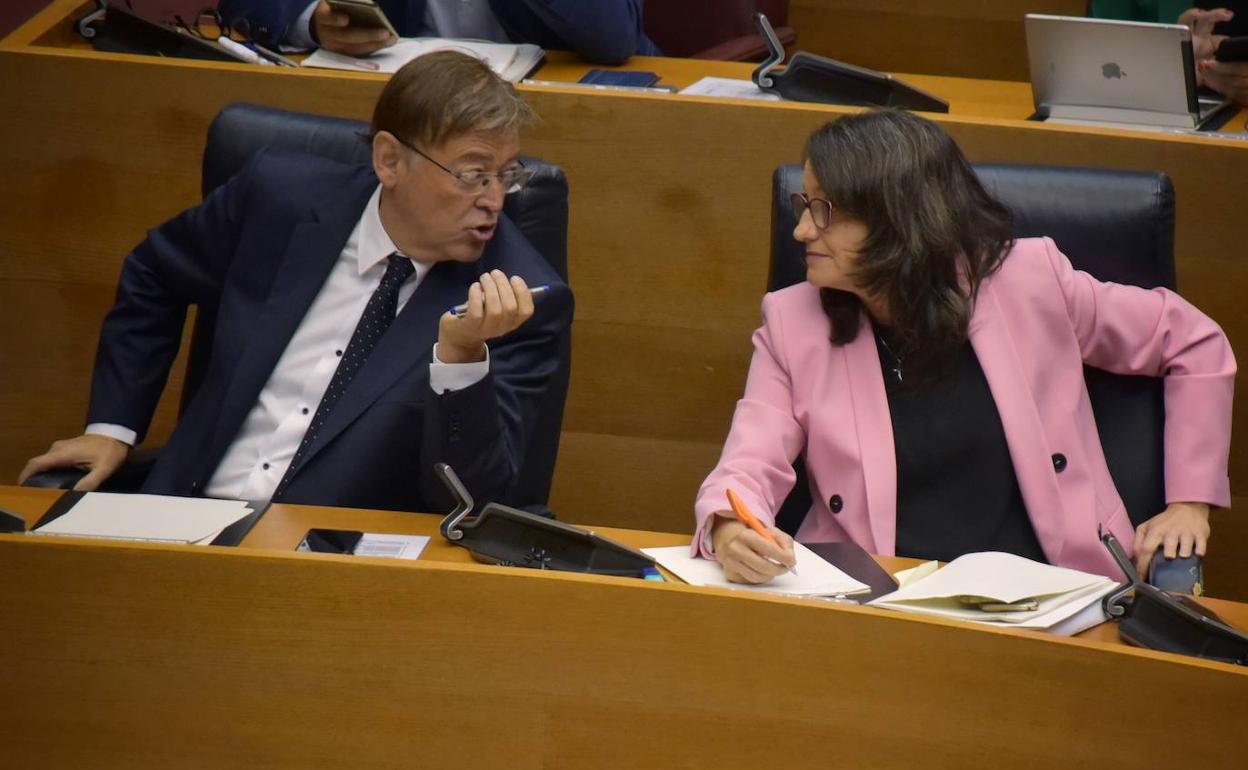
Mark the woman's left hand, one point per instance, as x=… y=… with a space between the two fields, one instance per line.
x=1181 y=530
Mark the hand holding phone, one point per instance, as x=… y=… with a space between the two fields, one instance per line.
x=1232 y=49
x=352 y=27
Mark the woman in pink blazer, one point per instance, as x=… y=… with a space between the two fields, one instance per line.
x=931 y=370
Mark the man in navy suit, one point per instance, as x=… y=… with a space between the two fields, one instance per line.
x=331 y=285
x=602 y=31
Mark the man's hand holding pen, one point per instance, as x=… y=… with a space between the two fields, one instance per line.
x=496 y=306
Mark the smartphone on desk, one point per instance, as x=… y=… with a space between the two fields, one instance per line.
x=330 y=541
x=363 y=13
x=626 y=78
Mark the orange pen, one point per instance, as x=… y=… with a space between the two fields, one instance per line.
x=745 y=517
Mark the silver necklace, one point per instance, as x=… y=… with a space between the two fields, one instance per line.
x=895 y=367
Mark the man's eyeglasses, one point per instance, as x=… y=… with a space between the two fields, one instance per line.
x=820 y=209
x=511 y=179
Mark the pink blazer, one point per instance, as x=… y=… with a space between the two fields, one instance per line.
x=1035 y=323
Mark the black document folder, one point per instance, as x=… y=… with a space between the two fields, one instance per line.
x=851 y=559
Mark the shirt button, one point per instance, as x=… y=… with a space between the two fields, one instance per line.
x=338 y=353
x=836 y=503
x=1059 y=462
x=265 y=466
x=304 y=410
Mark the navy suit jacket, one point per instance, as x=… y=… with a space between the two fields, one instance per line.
x=602 y=31
x=255 y=253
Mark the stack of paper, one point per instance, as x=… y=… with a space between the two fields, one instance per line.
x=147 y=517
x=815 y=577
x=512 y=62
x=729 y=88
x=1067 y=600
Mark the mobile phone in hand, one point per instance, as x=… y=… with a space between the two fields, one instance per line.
x=363 y=13
x=1232 y=49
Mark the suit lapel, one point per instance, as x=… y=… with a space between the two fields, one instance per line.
x=1020 y=420
x=407 y=344
x=313 y=249
x=875 y=437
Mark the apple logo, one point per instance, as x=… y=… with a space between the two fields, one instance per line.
x=1112 y=70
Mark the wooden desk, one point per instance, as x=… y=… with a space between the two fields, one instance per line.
x=135 y=655
x=668 y=243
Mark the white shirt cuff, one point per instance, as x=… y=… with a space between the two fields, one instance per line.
x=298 y=35
x=447 y=377
x=122 y=434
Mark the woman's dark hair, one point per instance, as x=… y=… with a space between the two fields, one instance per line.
x=933 y=231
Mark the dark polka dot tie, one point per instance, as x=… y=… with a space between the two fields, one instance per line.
x=378 y=314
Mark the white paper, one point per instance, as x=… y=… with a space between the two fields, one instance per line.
x=499 y=56
x=1063 y=595
x=815 y=577
x=730 y=89
x=907 y=576
x=1050 y=610
x=391 y=546
x=1002 y=577
x=147 y=517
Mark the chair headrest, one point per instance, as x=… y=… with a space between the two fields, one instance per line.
x=1116 y=225
x=540 y=210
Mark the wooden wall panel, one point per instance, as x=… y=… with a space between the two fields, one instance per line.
x=141 y=656
x=965 y=38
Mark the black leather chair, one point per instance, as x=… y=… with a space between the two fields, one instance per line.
x=540 y=210
x=1117 y=226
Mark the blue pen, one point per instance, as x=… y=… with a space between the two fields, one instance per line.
x=459 y=311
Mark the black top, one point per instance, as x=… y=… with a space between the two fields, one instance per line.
x=956 y=487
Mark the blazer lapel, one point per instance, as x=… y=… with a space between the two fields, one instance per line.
x=875 y=437
x=407 y=344
x=1020 y=420
x=313 y=249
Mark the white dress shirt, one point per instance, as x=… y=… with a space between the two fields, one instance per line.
x=266 y=443
x=471 y=19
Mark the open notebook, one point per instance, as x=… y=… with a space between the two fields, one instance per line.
x=512 y=62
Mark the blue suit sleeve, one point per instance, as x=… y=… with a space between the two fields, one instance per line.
x=265 y=21
x=483 y=431
x=180 y=263
x=601 y=31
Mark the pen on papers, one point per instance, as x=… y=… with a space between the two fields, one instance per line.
x=459 y=311
x=599 y=86
x=745 y=517
x=272 y=56
x=242 y=52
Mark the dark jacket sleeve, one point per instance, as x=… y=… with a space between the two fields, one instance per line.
x=483 y=431
x=601 y=31
x=265 y=21
x=180 y=263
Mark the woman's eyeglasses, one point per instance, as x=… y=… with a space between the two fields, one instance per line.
x=820 y=209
